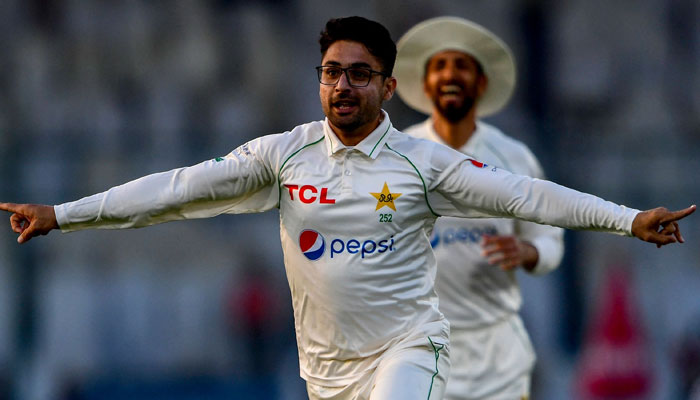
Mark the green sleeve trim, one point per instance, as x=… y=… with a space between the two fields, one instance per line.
x=425 y=189
x=380 y=139
x=436 y=350
x=279 y=173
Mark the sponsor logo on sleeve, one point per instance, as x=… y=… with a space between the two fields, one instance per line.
x=244 y=149
x=477 y=164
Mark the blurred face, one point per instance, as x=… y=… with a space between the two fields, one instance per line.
x=354 y=111
x=453 y=82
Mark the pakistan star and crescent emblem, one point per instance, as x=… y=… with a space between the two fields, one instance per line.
x=385 y=198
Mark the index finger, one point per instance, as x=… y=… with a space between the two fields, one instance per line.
x=489 y=239
x=680 y=214
x=11 y=207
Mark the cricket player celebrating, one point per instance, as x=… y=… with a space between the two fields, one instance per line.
x=456 y=71
x=356 y=198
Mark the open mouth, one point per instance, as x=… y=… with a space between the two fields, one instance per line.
x=451 y=90
x=451 y=93
x=344 y=106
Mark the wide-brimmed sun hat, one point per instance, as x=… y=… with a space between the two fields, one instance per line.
x=434 y=35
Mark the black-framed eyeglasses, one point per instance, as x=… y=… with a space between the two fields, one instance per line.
x=356 y=76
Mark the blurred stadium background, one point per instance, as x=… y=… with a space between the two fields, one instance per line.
x=96 y=93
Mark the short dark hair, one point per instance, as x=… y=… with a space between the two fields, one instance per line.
x=373 y=35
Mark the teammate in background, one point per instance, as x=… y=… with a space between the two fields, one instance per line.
x=457 y=72
x=355 y=198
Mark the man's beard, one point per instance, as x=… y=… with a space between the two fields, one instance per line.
x=455 y=114
x=364 y=115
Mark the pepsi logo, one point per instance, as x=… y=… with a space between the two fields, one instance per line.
x=312 y=244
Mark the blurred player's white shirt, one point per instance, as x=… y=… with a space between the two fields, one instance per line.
x=353 y=224
x=491 y=353
x=474 y=293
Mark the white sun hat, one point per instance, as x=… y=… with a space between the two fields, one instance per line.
x=434 y=35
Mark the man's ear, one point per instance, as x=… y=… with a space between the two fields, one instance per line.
x=482 y=84
x=389 y=88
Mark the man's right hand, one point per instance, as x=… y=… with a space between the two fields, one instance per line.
x=659 y=225
x=29 y=220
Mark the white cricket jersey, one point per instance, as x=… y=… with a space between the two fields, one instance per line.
x=353 y=224
x=474 y=293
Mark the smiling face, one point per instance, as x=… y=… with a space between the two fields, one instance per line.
x=454 y=82
x=354 y=112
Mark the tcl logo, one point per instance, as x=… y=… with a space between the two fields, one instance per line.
x=309 y=194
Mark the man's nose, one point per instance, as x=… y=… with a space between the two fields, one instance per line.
x=449 y=70
x=343 y=82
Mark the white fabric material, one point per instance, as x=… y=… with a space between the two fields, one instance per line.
x=369 y=287
x=475 y=296
x=491 y=363
x=413 y=373
x=473 y=292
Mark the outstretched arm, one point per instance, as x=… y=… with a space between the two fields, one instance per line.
x=659 y=225
x=466 y=189
x=29 y=220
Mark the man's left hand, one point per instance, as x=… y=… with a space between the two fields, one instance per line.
x=659 y=225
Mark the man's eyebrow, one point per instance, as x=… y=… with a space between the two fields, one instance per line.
x=361 y=65
x=353 y=65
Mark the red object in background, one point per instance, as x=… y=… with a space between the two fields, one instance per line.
x=615 y=363
x=253 y=304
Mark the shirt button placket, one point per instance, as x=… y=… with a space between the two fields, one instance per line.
x=347 y=173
